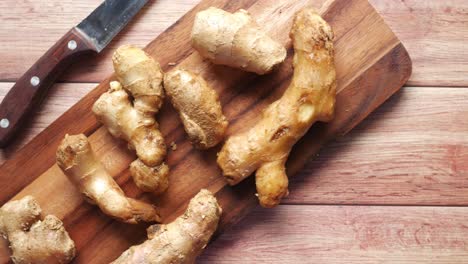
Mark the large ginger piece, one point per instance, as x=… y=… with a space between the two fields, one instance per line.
x=309 y=98
x=180 y=241
x=198 y=106
x=78 y=161
x=140 y=77
x=235 y=40
x=32 y=240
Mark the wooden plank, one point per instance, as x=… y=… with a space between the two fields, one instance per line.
x=368 y=166
x=412 y=150
x=371 y=65
x=434 y=32
x=345 y=234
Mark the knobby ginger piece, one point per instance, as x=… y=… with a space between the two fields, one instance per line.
x=152 y=179
x=309 y=98
x=198 y=106
x=32 y=240
x=235 y=40
x=180 y=241
x=139 y=78
x=79 y=163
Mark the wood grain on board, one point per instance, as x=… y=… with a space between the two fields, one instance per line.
x=434 y=32
x=371 y=65
x=345 y=234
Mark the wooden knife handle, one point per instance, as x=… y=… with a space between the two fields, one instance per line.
x=31 y=88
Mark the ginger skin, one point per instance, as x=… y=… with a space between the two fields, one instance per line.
x=198 y=106
x=150 y=179
x=141 y=77
x=182 y=240
x=32 y=240
x=309 y=98
x=78 y=161
x=235 y=40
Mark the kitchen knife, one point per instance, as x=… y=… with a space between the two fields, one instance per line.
x=91 y=35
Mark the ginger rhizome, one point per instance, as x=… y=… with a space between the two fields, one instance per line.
x=198 y=106
x=309 y=98
x=235 y=40
x=79 y=163
x=151 y=179
x=139 y=78
x=182 y=240
x=31 y=239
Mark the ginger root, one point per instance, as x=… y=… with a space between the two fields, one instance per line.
x=309 y=98
x=182 y=240
x=141 y=77
x=78 y=161
x=235 y=40
x=32 y=240
x=198 y=106
x=153 y=179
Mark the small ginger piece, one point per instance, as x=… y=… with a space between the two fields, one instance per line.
x=32 y=240
x=173 y=146
x=153 y=179
x=235 y=40
x=182 y=240
x=198 y=106
x=140 y=78
x=309 y=98
x=78 y=161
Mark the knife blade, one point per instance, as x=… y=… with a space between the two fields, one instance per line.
x=108 y=19
x=90 y=36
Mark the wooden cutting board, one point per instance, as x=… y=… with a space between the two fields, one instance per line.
x=371 y=64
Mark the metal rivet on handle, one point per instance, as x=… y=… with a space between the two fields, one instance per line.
x=4 y=123
x=35 y=81
x=72 y=44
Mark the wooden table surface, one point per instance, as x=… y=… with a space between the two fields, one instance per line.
x=408 y=162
